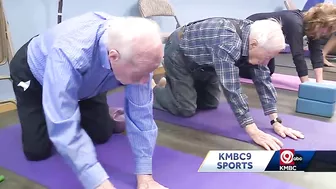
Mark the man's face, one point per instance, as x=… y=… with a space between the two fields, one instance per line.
x=259 y=55
x=136 y=70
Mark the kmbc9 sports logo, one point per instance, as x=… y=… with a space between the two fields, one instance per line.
x=288 y=160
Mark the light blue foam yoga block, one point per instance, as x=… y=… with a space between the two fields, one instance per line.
x=315 y=107
x=324 y=92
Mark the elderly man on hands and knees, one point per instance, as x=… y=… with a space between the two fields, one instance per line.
x=204 y=55
x=60 y=80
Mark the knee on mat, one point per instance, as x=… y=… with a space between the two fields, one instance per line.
x=37 y=155
x=187 y=112
x=214 y=106
x=102 y=138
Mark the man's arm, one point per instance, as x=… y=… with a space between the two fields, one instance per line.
x=316 y=57
x=265 y=89
x=229 y=77
x=60 y=102
x=140 y=125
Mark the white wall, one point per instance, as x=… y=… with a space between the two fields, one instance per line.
x=30 y=17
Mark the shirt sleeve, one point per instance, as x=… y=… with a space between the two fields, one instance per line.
x=224 y=59
x=295 y=41
x=316 y=55
x=267 y=94
x=60 y=103
x=140 y=125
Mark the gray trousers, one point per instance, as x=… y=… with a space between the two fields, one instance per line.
x=189 y=86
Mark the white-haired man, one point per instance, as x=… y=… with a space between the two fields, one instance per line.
x=61 y=77
x=204 y=55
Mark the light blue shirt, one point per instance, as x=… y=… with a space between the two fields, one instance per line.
x=71 y=62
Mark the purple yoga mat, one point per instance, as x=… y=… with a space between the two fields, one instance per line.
x=221 y=121
x=174 y=169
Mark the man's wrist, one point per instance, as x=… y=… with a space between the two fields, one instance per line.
x=144 y=177
x=251 y=128
x=273 y=116
x=94 y=176
x=274 y=119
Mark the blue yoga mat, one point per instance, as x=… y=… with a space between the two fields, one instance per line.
x=221 y=121
x=174 y=169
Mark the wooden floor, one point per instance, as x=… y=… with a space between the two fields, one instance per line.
x=199 y=143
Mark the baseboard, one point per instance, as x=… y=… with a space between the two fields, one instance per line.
x=6 y=107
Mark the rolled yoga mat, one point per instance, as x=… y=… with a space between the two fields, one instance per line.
x=283 y=81
x=221 y=121
x=287 y=50
x=174 y=169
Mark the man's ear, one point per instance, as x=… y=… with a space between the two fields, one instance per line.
x=253 y=43
x=114 y=55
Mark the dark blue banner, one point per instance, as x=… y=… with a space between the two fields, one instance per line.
x=308 y=161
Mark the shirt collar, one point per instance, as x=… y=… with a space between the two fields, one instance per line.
x=245 y=39
x=103 y=51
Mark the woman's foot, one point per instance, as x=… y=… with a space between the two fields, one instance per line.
x=162 y=82
x=118 y=115
x=153 y=84
x=328 y=64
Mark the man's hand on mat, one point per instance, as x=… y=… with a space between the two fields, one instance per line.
x=106 y=185
x=287 y=132
x=147 y=182
x=264 y=140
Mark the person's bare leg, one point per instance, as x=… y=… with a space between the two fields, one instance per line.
x=318 y=74
x=327 y=49
x=304 y=79
x=289 y=5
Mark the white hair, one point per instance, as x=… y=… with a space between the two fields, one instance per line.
x=123 y=30
x=269 y=34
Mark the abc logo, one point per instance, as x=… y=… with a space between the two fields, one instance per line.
x=288 y=157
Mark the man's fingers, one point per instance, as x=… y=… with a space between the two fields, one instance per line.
x=298 y=134
x=273 y=145
x=290 y=132
x=265 y=145
x=277 y=141
x=280 y=132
